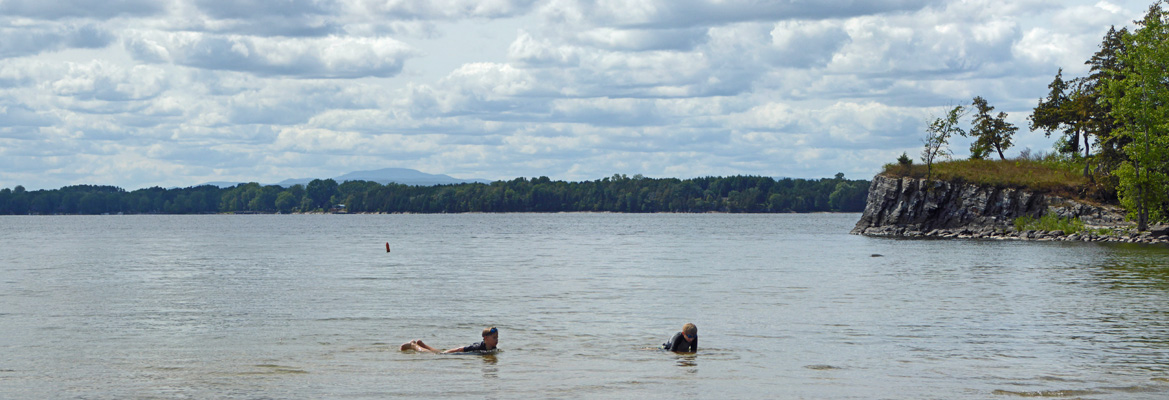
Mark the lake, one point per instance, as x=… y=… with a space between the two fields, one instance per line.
x=787 y=306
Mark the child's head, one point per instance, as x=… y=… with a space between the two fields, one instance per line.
x=690 y=330
x=491 y=336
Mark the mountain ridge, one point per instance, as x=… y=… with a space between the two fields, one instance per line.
x=384 y=176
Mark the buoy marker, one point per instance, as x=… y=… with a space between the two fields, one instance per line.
x=387 y=247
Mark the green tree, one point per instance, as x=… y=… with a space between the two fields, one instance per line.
x=1053 y=114
x=1075 y=115
x=320 y=192
x=1106 y=66
x=989 y=132
x=904 y=159
x=1140 y=102
x=286 y=201
x=937 y=137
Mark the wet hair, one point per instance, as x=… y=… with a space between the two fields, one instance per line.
x=690 y=330
x=490 y=331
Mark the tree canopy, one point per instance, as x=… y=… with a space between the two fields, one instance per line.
x=990 y=132
x=619 y=193
x=937 y=138
x=1123 y=107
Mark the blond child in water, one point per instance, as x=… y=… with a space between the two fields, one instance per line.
x=684 y=341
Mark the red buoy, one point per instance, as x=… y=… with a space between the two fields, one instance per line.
x=387 y=247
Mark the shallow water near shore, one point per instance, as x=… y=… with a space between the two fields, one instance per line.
x=788 y=306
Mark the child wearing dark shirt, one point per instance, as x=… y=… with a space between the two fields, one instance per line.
x=490 y=340
x=684 y=341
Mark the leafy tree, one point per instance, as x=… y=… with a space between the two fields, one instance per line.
x=285 y=202
x=1079 y=110
x=937 y=138
x=989 y=132
x=321 y=192
x=1105 y=66
x=1049 y=115
x=1139 y=97
x=1076 y=115
x=848 y=196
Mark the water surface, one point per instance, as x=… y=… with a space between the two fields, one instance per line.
x=788 y=306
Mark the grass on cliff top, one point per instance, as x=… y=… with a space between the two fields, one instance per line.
x=1060 y=178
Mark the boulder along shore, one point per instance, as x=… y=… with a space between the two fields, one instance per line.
x=917 y=208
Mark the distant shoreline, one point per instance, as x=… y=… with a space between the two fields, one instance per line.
x=440 y=213
x=621 y=194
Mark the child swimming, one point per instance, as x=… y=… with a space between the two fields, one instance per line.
x=490 y=340
x=684 y=341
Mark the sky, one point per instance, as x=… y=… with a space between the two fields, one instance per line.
x=175 y=93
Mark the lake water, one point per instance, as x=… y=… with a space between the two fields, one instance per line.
x=787 y=306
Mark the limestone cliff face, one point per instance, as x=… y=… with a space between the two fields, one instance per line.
x=916 y=207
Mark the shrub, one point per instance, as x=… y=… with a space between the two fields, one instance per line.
x=904 y=160
x=1049 y=222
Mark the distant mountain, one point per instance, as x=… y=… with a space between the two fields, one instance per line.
x=221 y=185
x=404 y=176
x=384 y=176
x=297 y=181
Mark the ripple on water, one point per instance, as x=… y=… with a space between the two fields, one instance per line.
x=274 y=369
x=1048 y=393
x=786 y=303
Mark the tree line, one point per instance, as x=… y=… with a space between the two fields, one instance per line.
x=619 y=193
x=1121 y=108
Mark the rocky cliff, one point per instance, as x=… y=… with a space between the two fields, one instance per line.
x=917 y=207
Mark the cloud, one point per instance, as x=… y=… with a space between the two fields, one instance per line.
x=289 y=103
x=444 y=9
x=98 y=80
x=21 y=122
x=529 y=51
x=656 y=14
x=305 y=18
x=805 y=44
x=59 y=9
x=682 y=39
x=24 y=41
x=328 y=57
x=245 y=9
x=928 y=43
x=203 y=90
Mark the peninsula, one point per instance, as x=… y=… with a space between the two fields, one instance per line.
x=1005 y=200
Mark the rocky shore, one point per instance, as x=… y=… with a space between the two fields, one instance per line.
x=910 y=207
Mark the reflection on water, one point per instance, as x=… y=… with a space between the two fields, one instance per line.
x=791 y=306
x=688 y=361
x=490 y=370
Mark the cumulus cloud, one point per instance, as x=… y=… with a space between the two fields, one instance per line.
x=242 y=9
x=444 y=9
x=687 y=13
x=328 y=57
x=805 y=43
x=58 y=9
x=23 y=41
x=682 y=39
x=180 y=92
x=98 y=80
x=21 y=116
